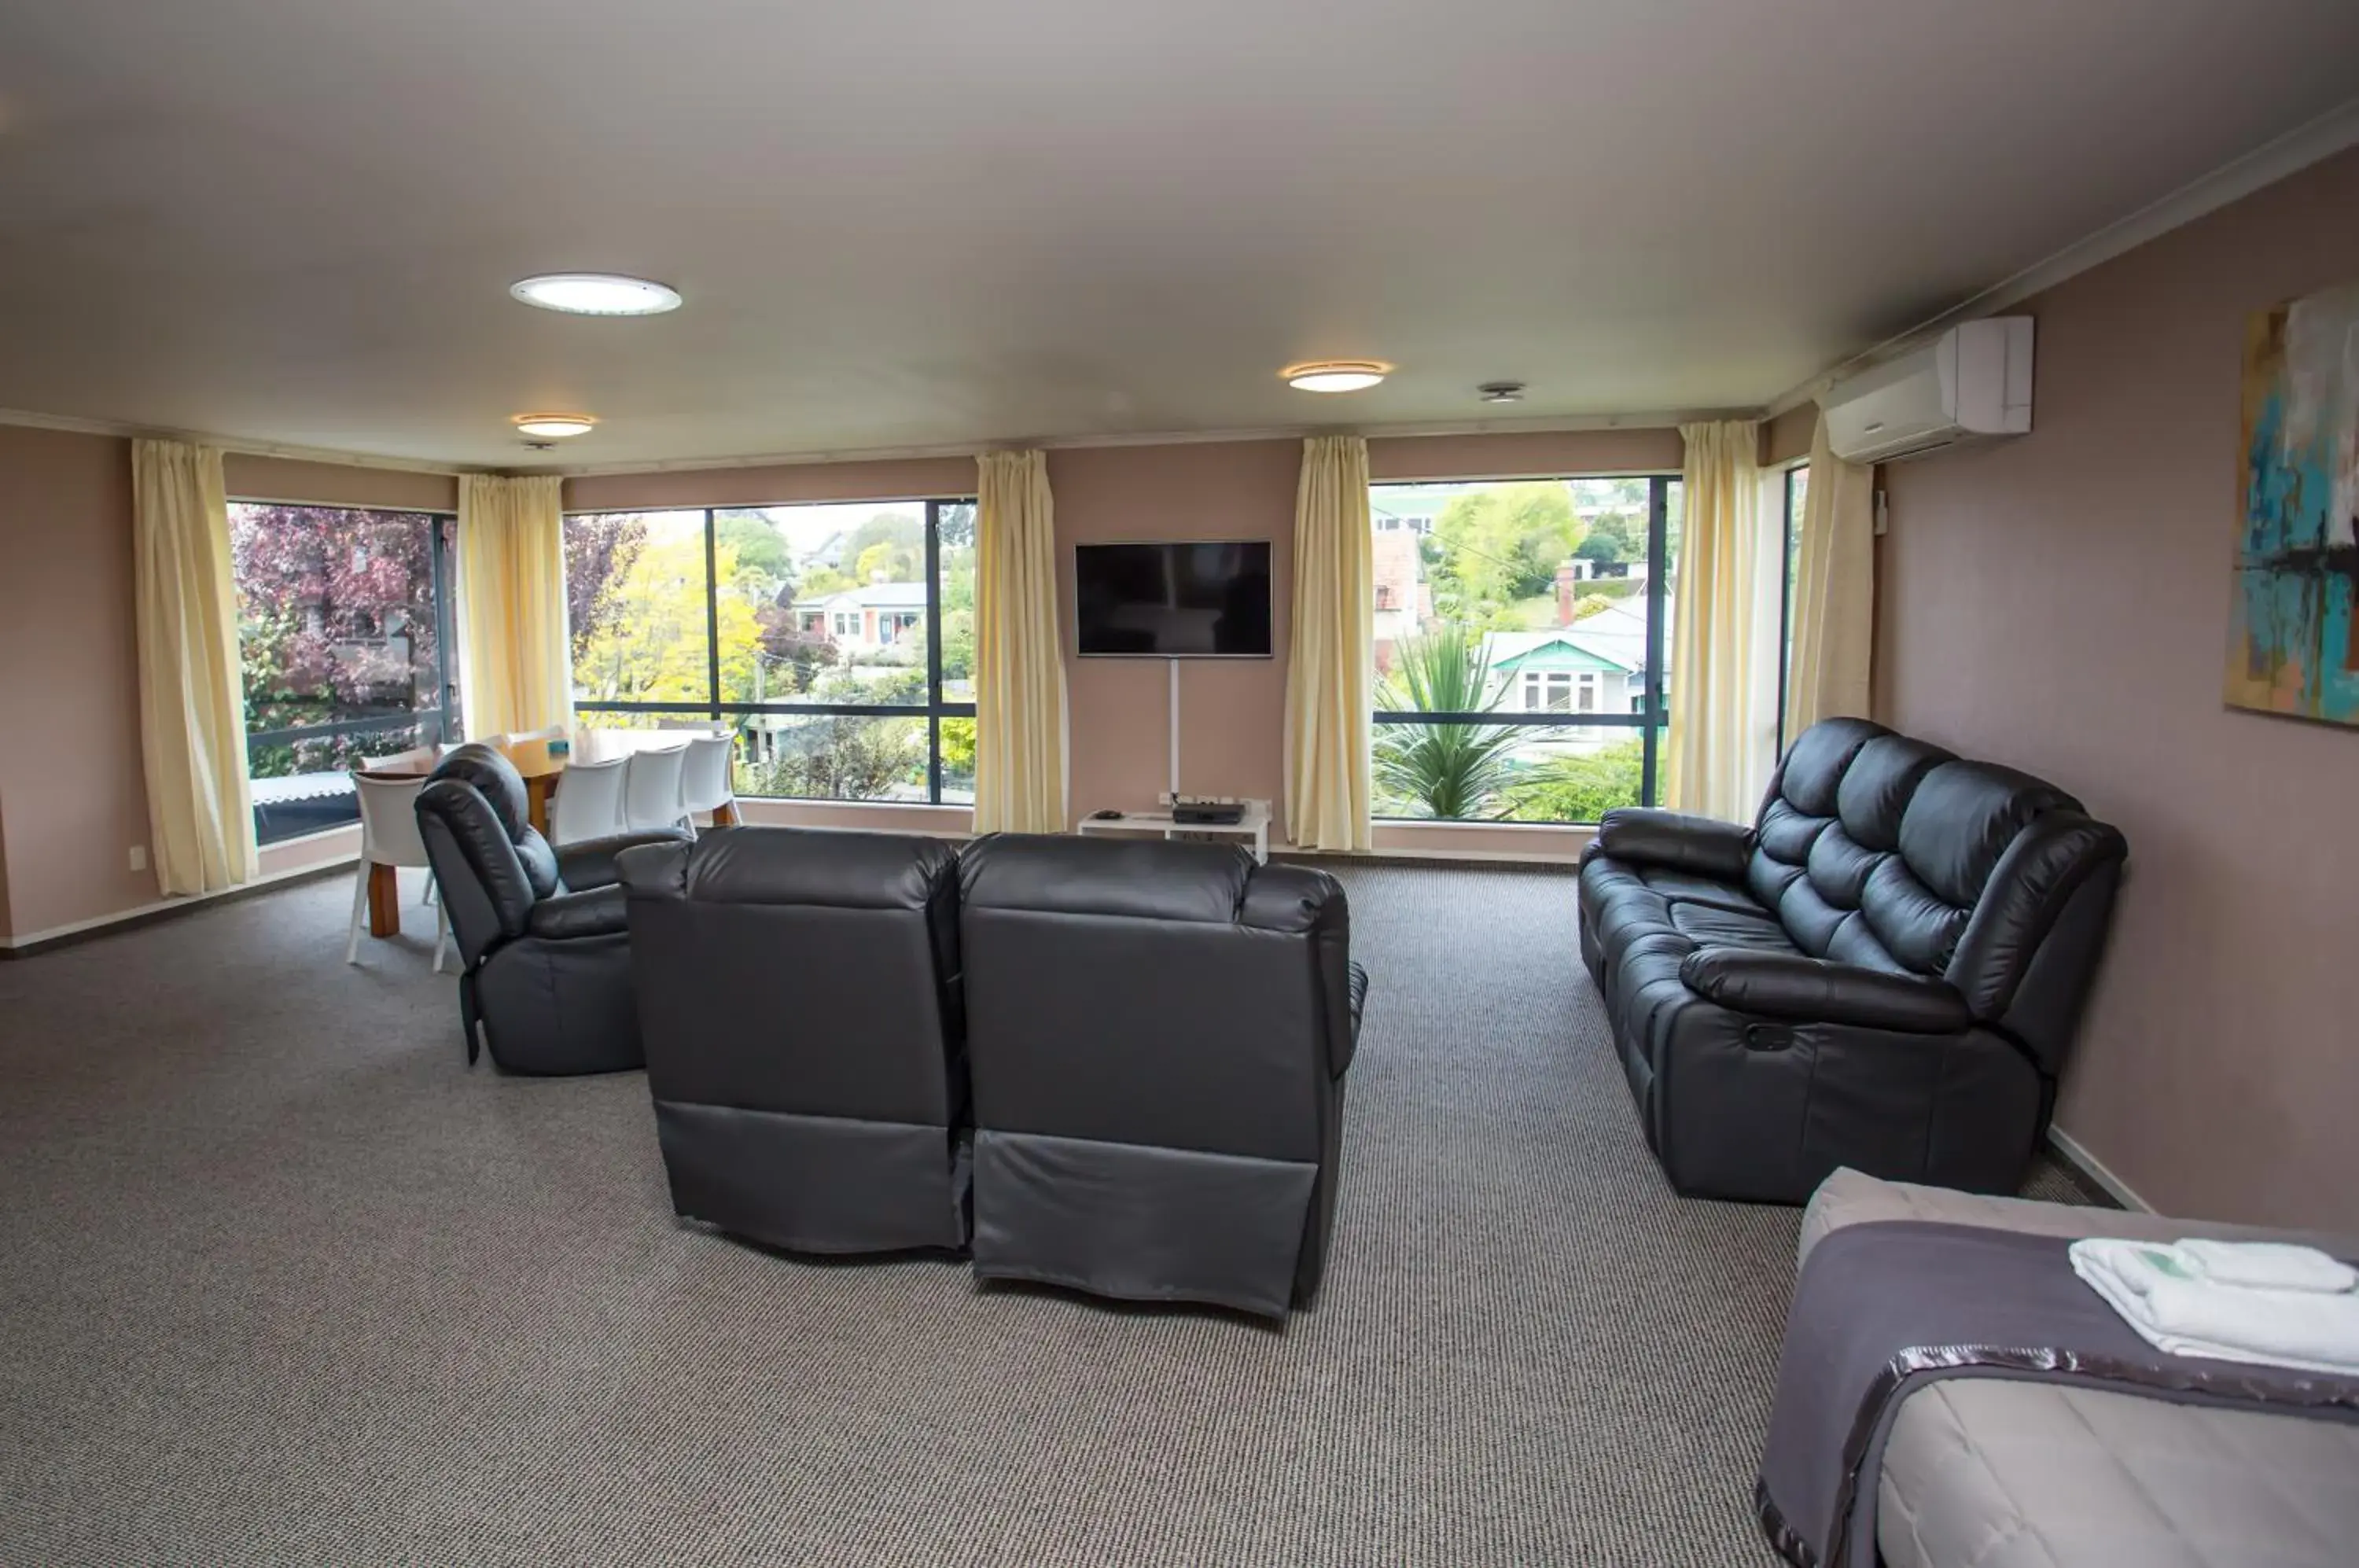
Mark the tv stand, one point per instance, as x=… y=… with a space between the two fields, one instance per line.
x=1251 y=828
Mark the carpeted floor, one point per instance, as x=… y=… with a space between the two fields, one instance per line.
x=282 y=1281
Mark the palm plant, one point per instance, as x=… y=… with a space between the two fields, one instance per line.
x=1449 y=772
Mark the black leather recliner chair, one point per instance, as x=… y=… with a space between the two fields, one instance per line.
x=1158 y=1035
x=1885 y=971
x=799 y=995
x=543 y=932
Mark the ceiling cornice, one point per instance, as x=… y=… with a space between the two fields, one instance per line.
x=239 y=444
x=1538 y=425
x=2289 y=154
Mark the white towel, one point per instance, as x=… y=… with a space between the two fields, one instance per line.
x=2267 y=1265
x=2176 y=1311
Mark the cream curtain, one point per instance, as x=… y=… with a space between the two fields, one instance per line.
x=192 y=710
x=1722 y=658
x=1019 y=668
x=1331 y=659
x=1835 y=594
x=516 y=673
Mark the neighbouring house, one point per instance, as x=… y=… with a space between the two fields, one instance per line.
x=1594 y=665
x=1404 y=597
x=865 y=619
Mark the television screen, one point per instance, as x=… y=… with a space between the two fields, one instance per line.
x=1181 y=600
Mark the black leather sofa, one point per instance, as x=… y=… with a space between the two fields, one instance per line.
x=1885 y=971
x=1158 y=1035
x=799 y=997
x=543 y=933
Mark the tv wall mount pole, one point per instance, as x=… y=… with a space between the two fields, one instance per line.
x=1174 y=665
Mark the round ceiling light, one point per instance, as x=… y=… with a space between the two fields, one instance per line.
x=1336 y=374
x=554 y=427
x=596 y=294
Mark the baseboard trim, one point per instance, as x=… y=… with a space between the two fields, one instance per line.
x=29 y=944
x=2093 y=1171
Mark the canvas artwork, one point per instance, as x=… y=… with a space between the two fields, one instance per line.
x=2293 y=645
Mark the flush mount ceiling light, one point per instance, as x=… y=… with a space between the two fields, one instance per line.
x=553 y=427
x=1336 y=374
x=596 y=294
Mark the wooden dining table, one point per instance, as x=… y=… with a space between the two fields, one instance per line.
x=541 y=768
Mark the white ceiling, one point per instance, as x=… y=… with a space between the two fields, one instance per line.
x=913 y=223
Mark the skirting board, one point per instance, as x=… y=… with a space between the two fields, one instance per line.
x=25 y=944
x=2086 y=1164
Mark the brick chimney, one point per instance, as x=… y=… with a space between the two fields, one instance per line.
x=1568 y=582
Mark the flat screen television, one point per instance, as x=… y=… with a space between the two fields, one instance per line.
x=1185 y=599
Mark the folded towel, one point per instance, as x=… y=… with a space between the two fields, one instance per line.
x=2267 y=1265
x=2176 y=1311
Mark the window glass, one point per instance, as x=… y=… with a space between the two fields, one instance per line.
x=1511 y=645
x=636 y=608
x=342 y=614
x=776 y=618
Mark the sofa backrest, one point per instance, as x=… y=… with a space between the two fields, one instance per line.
x=799 y=971
x=1168 y=994
x=1892 y=854
x=490 y=863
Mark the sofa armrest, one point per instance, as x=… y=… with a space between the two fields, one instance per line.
x=595 y=911
x=1676 y=841
x=591 y=861
x=1813 y=990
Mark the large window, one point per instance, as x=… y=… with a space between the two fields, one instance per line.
x=837 y=640
x=1520 y=630
x=343 y=623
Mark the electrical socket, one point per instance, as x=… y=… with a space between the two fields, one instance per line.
x=138 y=857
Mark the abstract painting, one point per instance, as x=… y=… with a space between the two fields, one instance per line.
x=2293 y=645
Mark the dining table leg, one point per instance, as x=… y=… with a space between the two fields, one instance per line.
x=724 y=815
x=384 y=901
x=536 y=790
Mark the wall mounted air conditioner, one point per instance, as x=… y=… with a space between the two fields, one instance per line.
x=1971 y=385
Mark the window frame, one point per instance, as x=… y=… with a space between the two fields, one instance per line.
x=1651 y=717
x=934 y=709
x=1785 y=568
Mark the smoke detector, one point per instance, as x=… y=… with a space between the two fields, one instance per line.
x=1501 y=391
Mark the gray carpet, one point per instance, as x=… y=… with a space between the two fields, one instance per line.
x=282 y=1281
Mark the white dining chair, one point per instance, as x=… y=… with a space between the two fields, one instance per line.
x=589 y=802
x=651 y=789
x=416 y=760
x=389 y=836
x=704 y=777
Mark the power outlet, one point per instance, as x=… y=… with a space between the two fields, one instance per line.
x=138 y=857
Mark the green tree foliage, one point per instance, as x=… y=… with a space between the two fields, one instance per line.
x=1614 y=538
x=1579 y=788
x=1452 y=772
x=1501 y=544
x=841 y=759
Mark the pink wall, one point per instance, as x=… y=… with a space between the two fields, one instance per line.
x=1232 y=712
x=773 y=485
x=2059 y=602
x=250 y=478
x=72 y=799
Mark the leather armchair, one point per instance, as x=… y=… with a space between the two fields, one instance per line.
x=799 y=997
x=543 y=934
x=1158 y=1035
x=1886 y=970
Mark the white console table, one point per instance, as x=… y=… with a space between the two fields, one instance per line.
x=1252 y=827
